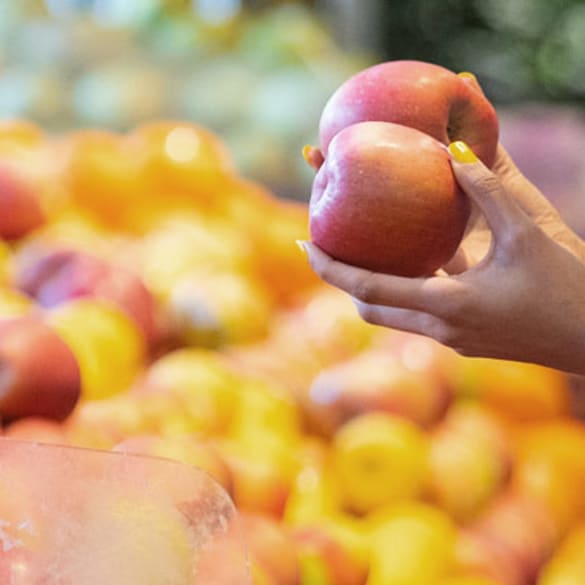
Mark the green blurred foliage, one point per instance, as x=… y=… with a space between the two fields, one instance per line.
x=522 y=50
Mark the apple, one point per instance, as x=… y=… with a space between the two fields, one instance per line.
x=470 y=461
x=386 y=199
x=56 y=275
x=40 y=375
x=379 y=459
x=420 y=95
x=20 y=209
x=374 y=380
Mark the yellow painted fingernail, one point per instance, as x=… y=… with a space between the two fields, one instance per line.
x=301 y=245
x=461 y=152
x=467 y=74
x=307 y=152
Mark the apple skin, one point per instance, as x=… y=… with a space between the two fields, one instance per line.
x=57 y=275
x=374 y=380
x=386 y=199
x=39 y=373
x=424 y=96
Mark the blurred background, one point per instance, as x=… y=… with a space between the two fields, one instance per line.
x=258 y=72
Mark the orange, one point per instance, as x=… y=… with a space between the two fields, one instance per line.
x=518 y=391
x=104 y=174
x=184 y=158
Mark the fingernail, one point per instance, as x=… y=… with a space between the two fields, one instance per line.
x=302 y=246
x=467 y=74
x=461 y=152
x=307 y=152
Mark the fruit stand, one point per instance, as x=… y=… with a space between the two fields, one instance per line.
x=153 y=302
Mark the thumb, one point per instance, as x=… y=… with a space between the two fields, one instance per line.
x=471 y=80
x=485 y=189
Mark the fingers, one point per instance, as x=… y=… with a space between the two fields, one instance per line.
x=370 y=287
x=406 y=320
x=313 y=156
x=471 y=80
x=500 y=210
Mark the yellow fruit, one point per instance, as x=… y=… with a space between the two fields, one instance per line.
x=107 y=345
x=413 y=545
x=379 y=459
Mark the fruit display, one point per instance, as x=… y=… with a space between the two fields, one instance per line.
x=156 y=303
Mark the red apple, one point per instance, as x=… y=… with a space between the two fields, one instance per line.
x=424 y=96
x=39 y=375
x=386 y=199
x=20 y=210
x=374 y=380
x=58 y=275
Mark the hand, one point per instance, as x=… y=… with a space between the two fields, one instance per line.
x=477 y=242
x=515 y=290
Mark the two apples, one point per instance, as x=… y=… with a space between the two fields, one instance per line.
x=384 y=196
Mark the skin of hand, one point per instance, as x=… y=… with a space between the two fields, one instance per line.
x=514 y=290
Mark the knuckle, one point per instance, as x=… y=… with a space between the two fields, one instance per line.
x=368 y=313
x=366 y=289
x=457 y=304
x=445 y=334
x=452 y=300
x=486 y=184
x=326 y=271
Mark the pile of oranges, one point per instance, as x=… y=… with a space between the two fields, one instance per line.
x=152 y=300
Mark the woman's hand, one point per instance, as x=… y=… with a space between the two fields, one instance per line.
x=515 y=289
